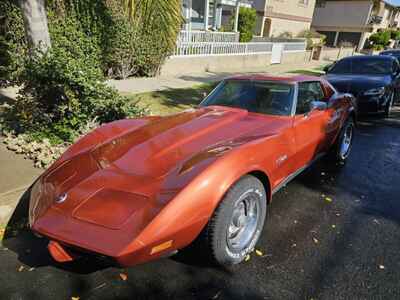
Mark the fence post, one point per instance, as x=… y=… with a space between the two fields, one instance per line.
x=340 y=50
x=212 y=48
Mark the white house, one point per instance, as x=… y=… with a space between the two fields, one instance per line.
x=211 y=14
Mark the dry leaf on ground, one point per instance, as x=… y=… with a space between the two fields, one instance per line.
x=123 y=276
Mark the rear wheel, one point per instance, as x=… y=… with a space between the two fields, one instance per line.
x=341 y=149
x=236 y=224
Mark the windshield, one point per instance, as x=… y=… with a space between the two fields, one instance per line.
x=391 y=53
x=264 y=97
x=362 y=66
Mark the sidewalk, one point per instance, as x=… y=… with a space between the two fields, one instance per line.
x=16 y=175
x=143 y=85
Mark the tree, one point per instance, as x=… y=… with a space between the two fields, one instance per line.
x=247 y=22
x=35 y=23
x=164 y=15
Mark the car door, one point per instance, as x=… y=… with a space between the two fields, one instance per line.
x=334 y=112
x=309 y=124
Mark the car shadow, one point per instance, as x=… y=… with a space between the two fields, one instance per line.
x=32 y=250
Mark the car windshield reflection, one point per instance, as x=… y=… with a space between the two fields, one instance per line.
x=271 y=98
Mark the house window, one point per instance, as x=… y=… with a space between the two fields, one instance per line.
x=303 y=2
x=197 y=11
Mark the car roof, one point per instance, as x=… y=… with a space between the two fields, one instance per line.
x=367 y=57
x=397 y=51
x=391 y=50
x=269 y=77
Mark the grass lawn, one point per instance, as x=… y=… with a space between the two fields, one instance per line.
x=171 y=100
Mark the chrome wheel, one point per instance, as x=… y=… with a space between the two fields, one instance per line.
x=243 y=224
x=346 y=141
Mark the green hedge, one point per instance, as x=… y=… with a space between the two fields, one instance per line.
x=246 y=24
x=123 y=48
x=64 y=89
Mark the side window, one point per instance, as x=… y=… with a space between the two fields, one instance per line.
x=308 y=92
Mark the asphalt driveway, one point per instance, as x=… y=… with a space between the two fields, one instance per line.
x=333 y=233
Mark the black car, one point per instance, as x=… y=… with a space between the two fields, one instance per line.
x=395 y=53
x=374 y=81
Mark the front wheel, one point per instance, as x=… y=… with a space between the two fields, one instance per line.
x=342 y=147
x=236 y=225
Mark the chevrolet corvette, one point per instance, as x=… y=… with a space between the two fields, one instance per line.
x=138 y=189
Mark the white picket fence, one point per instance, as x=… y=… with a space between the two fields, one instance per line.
x=197 y=36
x=231 y=48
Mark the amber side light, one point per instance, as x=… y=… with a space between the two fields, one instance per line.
x=161 y=247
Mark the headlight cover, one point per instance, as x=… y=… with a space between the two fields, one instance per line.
x=375 y=92
x=41 y=198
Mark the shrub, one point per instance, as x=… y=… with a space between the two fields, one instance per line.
x=12 y=43
x=309 y=35
x=63 y=89
x=124 y=48
x=286 y=35
x=247 y=22
x=379 y=40
x=395 y=34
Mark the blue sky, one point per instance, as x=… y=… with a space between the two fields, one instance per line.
x=395 y=2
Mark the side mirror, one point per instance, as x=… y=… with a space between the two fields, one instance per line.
x=318 y=105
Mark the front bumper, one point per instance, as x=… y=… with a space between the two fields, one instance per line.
x=371 y=104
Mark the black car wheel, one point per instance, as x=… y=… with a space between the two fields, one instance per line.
x=236 y=225
x=342 y=147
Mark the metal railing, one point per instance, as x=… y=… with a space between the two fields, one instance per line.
x=226 y=48
x=197 y=36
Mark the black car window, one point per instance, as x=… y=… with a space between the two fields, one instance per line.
x=308 y=92
x=377 y=66
x=266 y=97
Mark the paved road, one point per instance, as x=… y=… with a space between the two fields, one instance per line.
x=347 y=248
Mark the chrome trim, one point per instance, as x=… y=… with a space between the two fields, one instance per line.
x=297 y=172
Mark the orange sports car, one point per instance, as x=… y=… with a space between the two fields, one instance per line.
x=138 y=189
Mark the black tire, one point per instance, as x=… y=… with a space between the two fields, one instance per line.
x=215 y=236
x=338 y=154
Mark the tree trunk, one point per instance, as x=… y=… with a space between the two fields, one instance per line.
x=35 y=22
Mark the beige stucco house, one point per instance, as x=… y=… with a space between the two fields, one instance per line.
x=353 y=21
x=276 y=17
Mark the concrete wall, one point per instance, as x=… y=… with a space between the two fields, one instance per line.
x=279 y=26
x=291 y=8
x=336 y=53
x=285 y=16
x=353 y=14
x=228 y=63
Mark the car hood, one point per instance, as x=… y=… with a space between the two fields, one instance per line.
x=136 y=173
x=356 y=84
